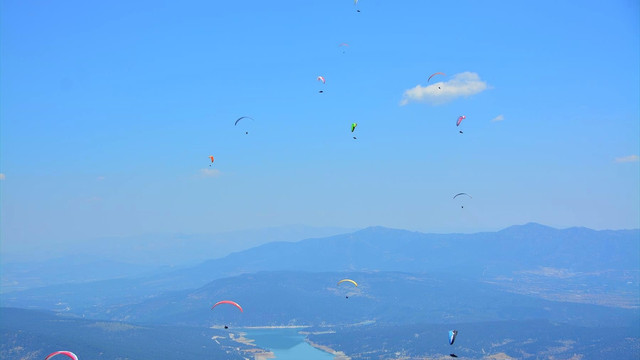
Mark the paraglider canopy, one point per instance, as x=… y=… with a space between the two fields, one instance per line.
x=227 y=302
x=452 y=336
x=353 y=126
x=321 y=78
x=434 y=74
x=211 y=158
x=460 y=120
x=66 y=353
x=348 y=280
x=456 y=195
x=240 y=118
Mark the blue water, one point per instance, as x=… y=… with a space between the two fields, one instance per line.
x=286 y=344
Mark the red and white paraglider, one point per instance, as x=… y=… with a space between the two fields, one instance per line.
x=321 y=78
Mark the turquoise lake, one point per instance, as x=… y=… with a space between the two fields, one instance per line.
x=286 y=344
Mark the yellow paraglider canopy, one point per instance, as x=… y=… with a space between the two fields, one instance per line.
x=348 y=280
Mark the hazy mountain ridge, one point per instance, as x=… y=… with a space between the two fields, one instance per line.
x=517 y=258
x=518 y=248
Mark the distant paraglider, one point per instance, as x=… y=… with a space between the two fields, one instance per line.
x=452 y=336
x=462 y=117
x=355 y=2
x=240 y=118
x=353 y=128
x=348 y=280
x=230 y=303
x=66 y=353
x=321 y=78
x=211 y=158
x=456 y=195
x=453 y=355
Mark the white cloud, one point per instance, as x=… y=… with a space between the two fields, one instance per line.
x=461 y=85
x=498 y=118
x=209 y=172
x=626 y=159
x=2 y=176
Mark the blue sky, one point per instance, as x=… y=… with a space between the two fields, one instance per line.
x=109 y=112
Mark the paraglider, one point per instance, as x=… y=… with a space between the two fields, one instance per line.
x=456 y=195
x=67 y=353
x=321 y=78
x=230 y=303
x=462 y=117
x=452 y=336
x=353 y=127
x=240 y=118
x=453 y=355
x=227 y=302
x=211 y=158
x=348 y=280
x=434 y=74
x=343 y=46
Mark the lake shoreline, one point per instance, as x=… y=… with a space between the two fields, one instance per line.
x=264 y=352
x=337 y=355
